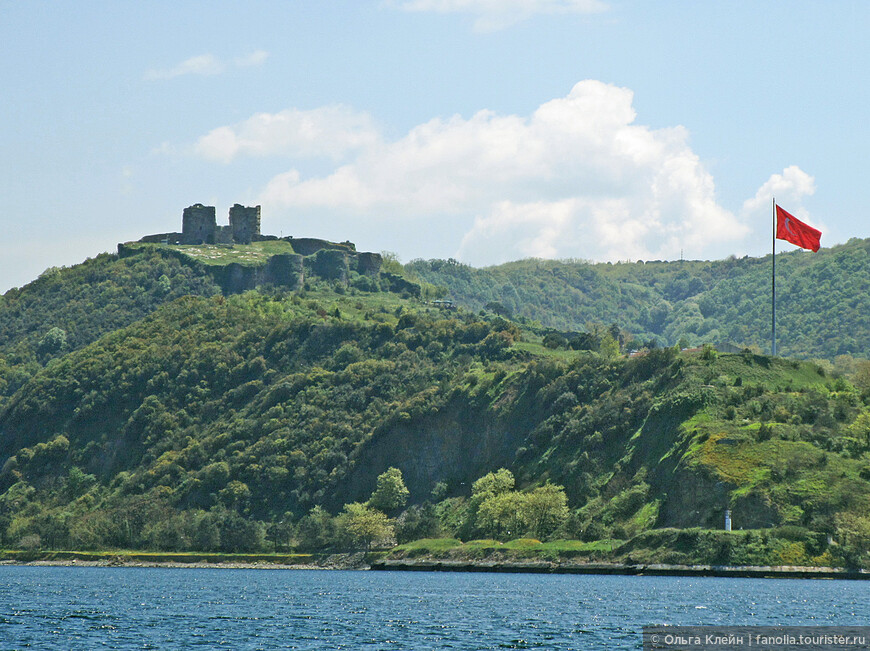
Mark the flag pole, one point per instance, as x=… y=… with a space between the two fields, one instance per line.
x=773 y=286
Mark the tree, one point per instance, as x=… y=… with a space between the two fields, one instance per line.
x=439 y=491
x=417 y=522
x=236 y=495
x=279 y=533
x=608 y=346
x=390 y=492
x=54 y=342
x=502 y=515
x=584 y=341
x=499 y=308
x=493 y=483
x=854 y=534
x=862 y=376
x=390 y=263
x=545 y=510
x=362 y=525
x=554 y=340
x=238 y=534
x=316 y=530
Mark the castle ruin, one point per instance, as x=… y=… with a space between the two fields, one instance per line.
x=199 y=225
x=330 y=260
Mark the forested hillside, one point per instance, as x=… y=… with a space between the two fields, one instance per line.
x=65 y=309
x=823 y=298
x=339 y=415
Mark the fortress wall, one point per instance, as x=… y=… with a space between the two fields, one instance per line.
x=198 y=224
x=245 y=223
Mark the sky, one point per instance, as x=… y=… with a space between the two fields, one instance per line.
x=483 y=130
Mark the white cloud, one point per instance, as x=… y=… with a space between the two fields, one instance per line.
x=498 y=14
x=577 y=178
x=328 y=131
x=206 y=65
x=790 y=187
x=256 y=58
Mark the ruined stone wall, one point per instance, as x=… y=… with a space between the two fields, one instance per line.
x=368 y=264
x=198 y=224
x=163 y=238
x=223 y=235
x=282 y=270
x=329 y=260
x=311 y=245
x=330 y=264
x=245 y=223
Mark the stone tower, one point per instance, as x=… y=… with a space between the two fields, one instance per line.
x=245 y=223
x=198 y=224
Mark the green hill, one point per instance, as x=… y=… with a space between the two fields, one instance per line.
x=823 y=298
x=171 y=416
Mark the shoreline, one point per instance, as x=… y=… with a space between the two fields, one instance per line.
x=347 y=561
x=622 y=569
x=219 y=565
x=359 y=562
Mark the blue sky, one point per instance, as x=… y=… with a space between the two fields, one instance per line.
x=478 y=129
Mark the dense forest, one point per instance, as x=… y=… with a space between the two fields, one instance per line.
x=143 y=409
x=823 y=305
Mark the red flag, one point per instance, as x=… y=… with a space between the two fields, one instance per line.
x=791 y=229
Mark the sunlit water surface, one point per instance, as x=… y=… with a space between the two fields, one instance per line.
x=148 y=608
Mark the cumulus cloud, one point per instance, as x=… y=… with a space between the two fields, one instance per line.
x=329 y=131
x=205 y=65
x=497 y=14
x=577 y=178
x=789 y=187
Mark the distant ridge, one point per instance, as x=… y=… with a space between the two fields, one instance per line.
x=823 y=298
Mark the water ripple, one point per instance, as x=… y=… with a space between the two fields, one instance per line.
x=134 y=608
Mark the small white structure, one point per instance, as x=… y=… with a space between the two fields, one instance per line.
x=727 y=519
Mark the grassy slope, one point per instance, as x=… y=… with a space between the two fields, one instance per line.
x=254 y=254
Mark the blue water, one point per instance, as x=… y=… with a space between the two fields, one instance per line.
x=148 y=608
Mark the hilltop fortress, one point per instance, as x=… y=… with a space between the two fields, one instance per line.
x=199 y=226
x=306 y=256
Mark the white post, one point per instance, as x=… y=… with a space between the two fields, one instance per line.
x=727 y=519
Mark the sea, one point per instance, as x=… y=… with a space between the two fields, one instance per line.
x=203 y=608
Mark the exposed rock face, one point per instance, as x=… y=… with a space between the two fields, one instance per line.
x=697 y=500
x=285 y=270
x=368 y=264
x=235 y=278
x=450 y=445
x=330 y=264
